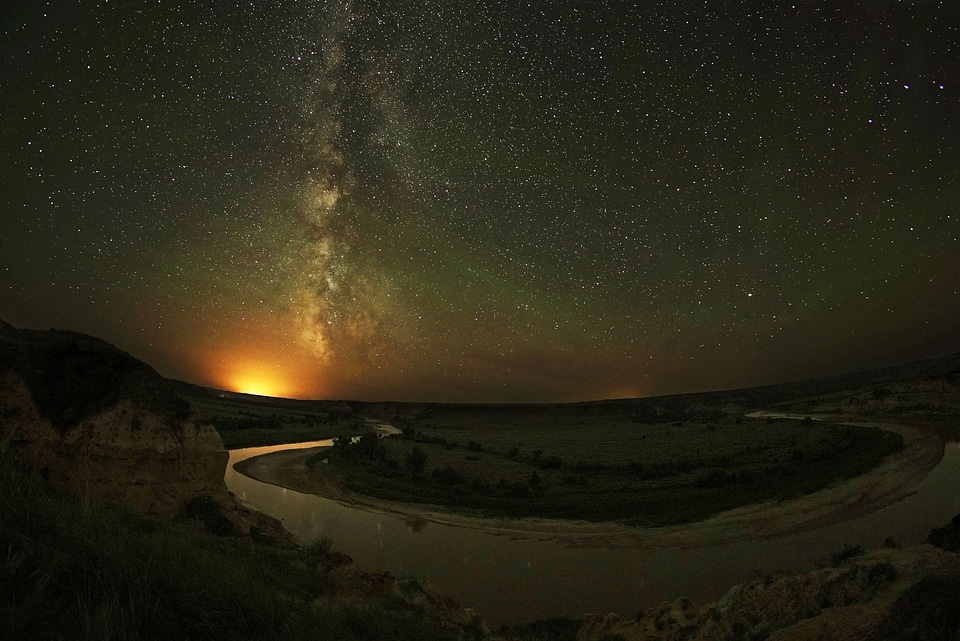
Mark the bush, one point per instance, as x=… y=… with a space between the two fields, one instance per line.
x=848 y=552
x=551 y=463
x=416 y=460
x=446 y=475
x=891 y=543
x=480 y=486
x=946 y=537
x=882 y=573
x=317 y=553
x=716 y=478
x=534 y=481
x=370 y=448
x=518 y=490
x=577 y=481
x=207 y=512
x=927 y=611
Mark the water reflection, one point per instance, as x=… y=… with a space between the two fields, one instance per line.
x=415 y=524
x=512 y=581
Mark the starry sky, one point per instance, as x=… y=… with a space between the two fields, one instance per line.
x=484 y=200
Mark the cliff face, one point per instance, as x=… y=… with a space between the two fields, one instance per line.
x=122 y=454
x=108 y=426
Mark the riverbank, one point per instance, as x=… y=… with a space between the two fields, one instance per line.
x=895 y=478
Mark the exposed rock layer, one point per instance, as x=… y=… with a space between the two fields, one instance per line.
x=109 y=427
x=123 y=454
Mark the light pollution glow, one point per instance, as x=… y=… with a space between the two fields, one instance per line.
x=250 y=374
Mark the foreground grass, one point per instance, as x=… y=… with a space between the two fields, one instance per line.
x=602 y=465
x=74 y=569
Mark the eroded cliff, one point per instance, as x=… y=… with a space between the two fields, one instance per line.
x=109 y=427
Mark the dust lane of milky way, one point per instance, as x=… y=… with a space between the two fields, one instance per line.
x=484 y=200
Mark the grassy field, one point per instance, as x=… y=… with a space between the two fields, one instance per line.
x=600 y=462
x=645 y=462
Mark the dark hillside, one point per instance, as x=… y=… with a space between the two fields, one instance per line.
x=72 y=376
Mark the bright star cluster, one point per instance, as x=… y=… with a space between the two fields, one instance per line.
x=488 y=200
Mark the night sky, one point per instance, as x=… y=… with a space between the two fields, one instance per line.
x=484 y=200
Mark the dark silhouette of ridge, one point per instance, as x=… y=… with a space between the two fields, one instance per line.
x=72 y=376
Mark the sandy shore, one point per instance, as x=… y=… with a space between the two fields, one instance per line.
x=892 y=480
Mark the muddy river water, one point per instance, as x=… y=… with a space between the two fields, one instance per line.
x=509 y=580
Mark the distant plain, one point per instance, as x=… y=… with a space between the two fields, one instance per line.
x=639 y=462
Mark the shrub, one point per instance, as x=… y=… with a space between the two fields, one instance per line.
x=551 y=463
x=534 y=481
x=928 y=610
x=848 y=552
x=518 y=490
x=946 y=537
x=207 y=512
x=370 y=447
x=716 y=478
x=578 y=481
x=317 y=553
x=446 y=475
x=882 y=573
x=416 y=460
x=480 y=486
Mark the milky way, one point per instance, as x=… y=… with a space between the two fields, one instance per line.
x=485 y=200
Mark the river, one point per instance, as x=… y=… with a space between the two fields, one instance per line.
x=513 y=581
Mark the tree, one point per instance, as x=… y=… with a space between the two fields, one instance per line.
x=534 y=481
x=370 y=447
x=416 y=460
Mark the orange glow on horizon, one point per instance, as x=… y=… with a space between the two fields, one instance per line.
x=252 y=384
x=251 y=375
x=625 y=391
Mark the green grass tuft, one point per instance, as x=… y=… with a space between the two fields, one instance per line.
x=75 y=569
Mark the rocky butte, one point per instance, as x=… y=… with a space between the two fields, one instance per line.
x=108 y=426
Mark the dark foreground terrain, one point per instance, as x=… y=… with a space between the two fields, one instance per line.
x=75 y=567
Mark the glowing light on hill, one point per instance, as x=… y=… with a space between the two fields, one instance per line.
x=257 y=386
x=262 y=362
x=257 y=378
